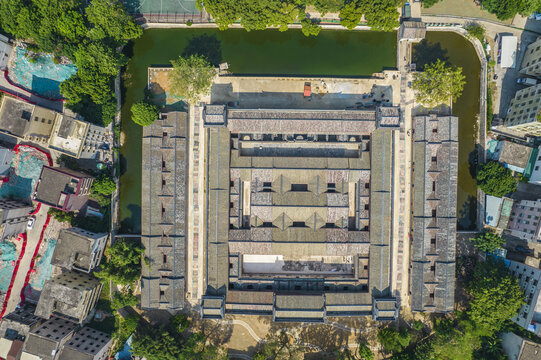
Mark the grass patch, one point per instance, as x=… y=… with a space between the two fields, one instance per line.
x=109 y=325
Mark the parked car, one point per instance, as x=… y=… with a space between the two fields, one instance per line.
x=31 y=222
x=526 y=81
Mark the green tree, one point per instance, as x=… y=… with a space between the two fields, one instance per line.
x=71 y=24
x=438 y=84
x=144 y=113
x=61 y=216
x=224 y=12
x=168 y=343
x=364 y=352
x=350 y=15
x=382 y=15
x=488 y=241
x=110 y=19
x=279 y=347
x=528 y=7
x=327 y=6
x=393 y=340
x=123 y=298
x=123 y=264
x=503 y=9
x=104 y=184
x=477 y=31
x=497 y=296
x=191 y=77
x=310 y=27
x=496 y=180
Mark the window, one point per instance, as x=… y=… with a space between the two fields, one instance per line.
x=267 y=224
x=298 y=224
x=433 y=186
x=433 y=213
x=162 y=293
x=433 y=241
x=299 y=187
x=367 y=185
x=435 y=130
x=366 y=206
x=164 y=259
x=331 y=186
x=434 y=159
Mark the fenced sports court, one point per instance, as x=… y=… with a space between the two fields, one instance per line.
x=166 y=11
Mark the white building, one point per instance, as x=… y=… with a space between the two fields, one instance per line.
x=529 y=316
x=508 y=52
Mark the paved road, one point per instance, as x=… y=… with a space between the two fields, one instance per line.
x=24 y=267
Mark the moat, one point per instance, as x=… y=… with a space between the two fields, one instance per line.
x=332 y=53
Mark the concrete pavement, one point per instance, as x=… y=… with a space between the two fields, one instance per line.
x=32 y=243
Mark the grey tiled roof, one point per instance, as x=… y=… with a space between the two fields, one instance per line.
x=299 y=121
x=435 y=153
x=163 y=211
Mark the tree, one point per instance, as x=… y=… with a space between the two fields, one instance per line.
x=123 y=298
x=382 y=15
x=61 y=216
x=104 y=184
x=477 y=31
x=364 y=352
x=110 y=19
x=503 y=9
x=438 y=84
x=496 y=180
x=144 y=113
x=280 y=347
x=350 y=15
x=393 y=340
x=488 y=241
x=310 y=27
x=168 y=343
x=191 y=77
x=497 y=296
x=123 y=264
x=328 y=6
x=224 y=12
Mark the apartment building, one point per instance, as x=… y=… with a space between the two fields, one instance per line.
x=79 y=249
x=531 y=63
x=71 y=295
x=13 y=218
x=523 y=114
x=529 y=316
x=525 y=221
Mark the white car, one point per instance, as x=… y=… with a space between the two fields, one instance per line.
x=31 y=222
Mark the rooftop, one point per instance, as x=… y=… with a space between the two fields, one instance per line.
x=515 y=155
x=74 y=249
x=26 y=121
x=69 y=294
x=59 y=187
x=68 y=135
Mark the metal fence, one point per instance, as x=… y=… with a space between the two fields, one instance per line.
x=173 y=18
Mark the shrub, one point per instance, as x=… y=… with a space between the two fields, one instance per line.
x=496 y=180
x=144 y=113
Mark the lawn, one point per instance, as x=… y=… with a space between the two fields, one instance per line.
x=107 y=325
x=461 y=8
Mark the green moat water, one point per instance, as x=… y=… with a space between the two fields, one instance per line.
x=270 y=52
